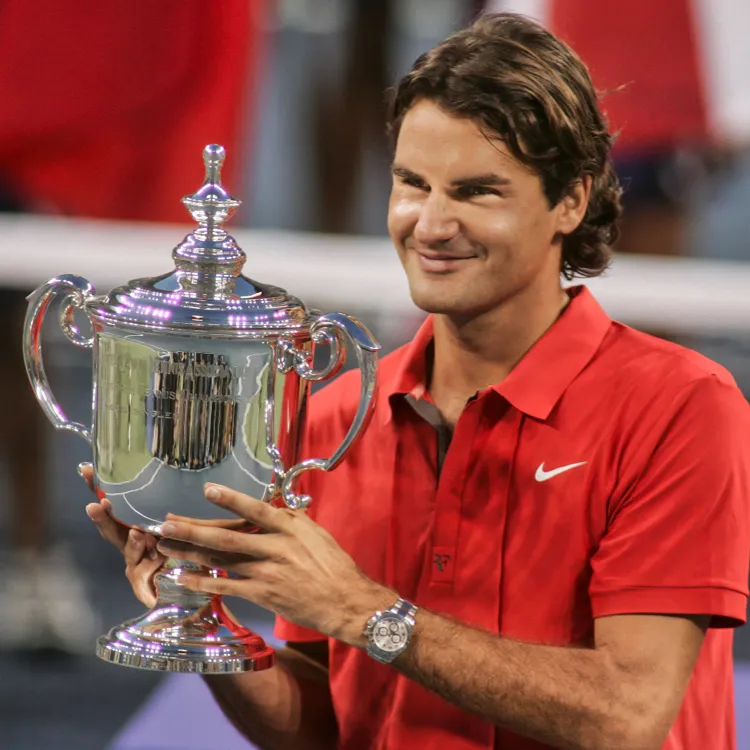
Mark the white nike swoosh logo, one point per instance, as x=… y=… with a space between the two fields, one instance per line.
x=542 y=475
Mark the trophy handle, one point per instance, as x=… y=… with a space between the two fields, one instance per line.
x=334 y=329
x=77 y=292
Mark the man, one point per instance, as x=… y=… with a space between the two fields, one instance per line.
x=558 y=504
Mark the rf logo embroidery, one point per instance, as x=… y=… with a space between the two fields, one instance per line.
x=441 y=561
x=542 y=475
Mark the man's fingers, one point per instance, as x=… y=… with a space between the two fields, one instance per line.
x=151 y=542
x=257 y=546
x=141 y=577
x=182 y=551
x=86 y=470
x=114 y=532
x=135 y=547
x=216 y=585
x=142 y=560
x=237 y=524
x=255 y=511
x=209 y=558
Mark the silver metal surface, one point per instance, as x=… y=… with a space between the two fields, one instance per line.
x=206 y=291
x=200 y=375
x=173 y=413
x=185 y=632
x=75 y=291
x=330 y=328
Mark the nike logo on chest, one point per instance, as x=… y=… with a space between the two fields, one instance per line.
x=542 y=475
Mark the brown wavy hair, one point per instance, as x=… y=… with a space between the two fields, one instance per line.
x=522 y=84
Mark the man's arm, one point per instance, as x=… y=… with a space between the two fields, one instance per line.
x=624 y=693
x=287 y=707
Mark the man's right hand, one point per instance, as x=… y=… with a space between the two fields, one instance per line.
x=259 y=704
x=142 y=560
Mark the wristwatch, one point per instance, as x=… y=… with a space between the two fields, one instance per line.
x=388 y=633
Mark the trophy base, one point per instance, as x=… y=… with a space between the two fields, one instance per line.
x=158 y=641
x=186 y=632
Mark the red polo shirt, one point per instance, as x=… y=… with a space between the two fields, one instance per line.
x=650 y=514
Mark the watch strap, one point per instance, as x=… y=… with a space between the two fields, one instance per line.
x=404 y=609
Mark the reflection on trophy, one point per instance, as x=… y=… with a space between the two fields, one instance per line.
x=200 y=375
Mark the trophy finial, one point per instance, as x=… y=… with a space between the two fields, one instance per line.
x=209 y=251
x=212 y=205
x=213 y=158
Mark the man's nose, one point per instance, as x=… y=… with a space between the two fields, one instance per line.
x=436 y=222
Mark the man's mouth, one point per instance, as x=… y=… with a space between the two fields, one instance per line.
x=437 y=262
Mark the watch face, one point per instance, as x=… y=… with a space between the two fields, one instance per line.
x=390 y=634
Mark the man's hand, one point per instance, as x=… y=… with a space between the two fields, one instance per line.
x=142 y=560
x=295 y=568
x=288 y=706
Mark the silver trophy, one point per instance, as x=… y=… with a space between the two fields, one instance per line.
x=200 y=375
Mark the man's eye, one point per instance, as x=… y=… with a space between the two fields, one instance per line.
x=474 y=191
x=414 y=182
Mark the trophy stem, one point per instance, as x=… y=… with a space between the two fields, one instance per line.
x=185 y=631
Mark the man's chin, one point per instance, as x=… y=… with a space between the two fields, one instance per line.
x=440 y=304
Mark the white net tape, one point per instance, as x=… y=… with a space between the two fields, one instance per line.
x=676 y=295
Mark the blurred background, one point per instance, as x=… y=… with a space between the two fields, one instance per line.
x=104 y=110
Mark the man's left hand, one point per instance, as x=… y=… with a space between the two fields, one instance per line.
x=294 y=567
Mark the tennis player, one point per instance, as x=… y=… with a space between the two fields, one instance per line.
x=542 y=540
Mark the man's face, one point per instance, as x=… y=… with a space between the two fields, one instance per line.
x=470 y=223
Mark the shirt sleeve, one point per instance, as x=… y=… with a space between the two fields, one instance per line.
x=678 y=534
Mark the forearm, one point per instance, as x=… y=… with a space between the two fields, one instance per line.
x=565 y=697
x=286 y=707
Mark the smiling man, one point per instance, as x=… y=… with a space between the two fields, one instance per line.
x=542 y=540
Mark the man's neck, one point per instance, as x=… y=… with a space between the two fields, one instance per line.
x=470 y=355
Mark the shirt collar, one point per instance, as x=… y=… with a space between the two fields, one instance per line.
x=410 y=377
x=544 y=373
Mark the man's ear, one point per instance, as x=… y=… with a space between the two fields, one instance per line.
x=572 y=206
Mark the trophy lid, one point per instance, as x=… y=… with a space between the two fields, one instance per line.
x=206 y=291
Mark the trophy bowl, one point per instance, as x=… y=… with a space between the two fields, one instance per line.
x=199 y=375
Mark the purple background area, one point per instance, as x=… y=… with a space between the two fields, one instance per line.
x=181 y=715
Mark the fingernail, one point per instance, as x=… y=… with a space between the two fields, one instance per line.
x=168 y=528
x=153 y=554
x=212 y=492
x=133 y=536
x=83 y=465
